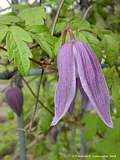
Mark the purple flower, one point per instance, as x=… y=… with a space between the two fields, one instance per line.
x=14 y=98
x=79 y=68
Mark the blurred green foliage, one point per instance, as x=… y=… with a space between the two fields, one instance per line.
x=31 y=25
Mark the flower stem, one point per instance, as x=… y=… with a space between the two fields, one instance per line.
x=64 y=36
x=71 y=33
x=37 y=99
x=41 y=103
x=56 y=16
x=21 y=137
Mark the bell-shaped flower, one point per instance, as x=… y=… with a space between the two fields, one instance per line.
x=79 y=68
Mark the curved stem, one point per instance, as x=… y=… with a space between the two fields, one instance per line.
x=37 y=98
x=41 y=103
x=64 y=36
x=87 y=11
x=71 y=33
x=56 y=17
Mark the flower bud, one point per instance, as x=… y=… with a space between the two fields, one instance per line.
x=53 y=134
x=14 y=98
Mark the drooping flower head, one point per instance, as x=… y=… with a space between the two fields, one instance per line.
x=14 y=98
x=78 y=68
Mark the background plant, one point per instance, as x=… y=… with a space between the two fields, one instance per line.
x=30 y=37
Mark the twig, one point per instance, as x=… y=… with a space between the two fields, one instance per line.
x=2 y=10
x=36 y=97
x=8 y=2
x=6 y=75
x=86 y=12
x=3 y=48
x=34 y=45
x=56 y=17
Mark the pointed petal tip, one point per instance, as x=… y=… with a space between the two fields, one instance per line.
x=54 y=121
x=109 y=124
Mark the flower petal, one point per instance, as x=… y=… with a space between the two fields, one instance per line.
x=70 y=110
x=77 y=86
x=85 y=100
x=66 y=88
x=93 y=81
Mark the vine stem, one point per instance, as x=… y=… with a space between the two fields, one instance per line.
x=87 y=11
x=56 y=17
x=8 y=2
x=37 y=98
x=21 y=137
x=30 y=89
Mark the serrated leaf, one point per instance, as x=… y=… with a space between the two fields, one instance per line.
x=3 y=32
x=8 y=19
x=111 y=47
x=46 y=42
x=18 y=49
x=75 y=23
x=33 y=16
x=78 y=23
x=37 y=28
x=60 y=26
x=93 y=42
x=20 y=34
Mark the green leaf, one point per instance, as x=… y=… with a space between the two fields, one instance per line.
x=60 y=26
x=8 y=19
x=37 y=28
x=57 y=45
x=89 y=120
x=111 y=76
x=75 y=23
x=93 y=42
x=3 y=32
x=18 y=49
x=78 y=23
x=111 y=47
x=116 y=95
x=33 y=16
x=20 y=34
x=45 y=121
x=111 y=142
x=54 y=154
x=46 y=42
x=113 y=82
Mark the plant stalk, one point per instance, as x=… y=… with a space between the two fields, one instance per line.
x=21 y=137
